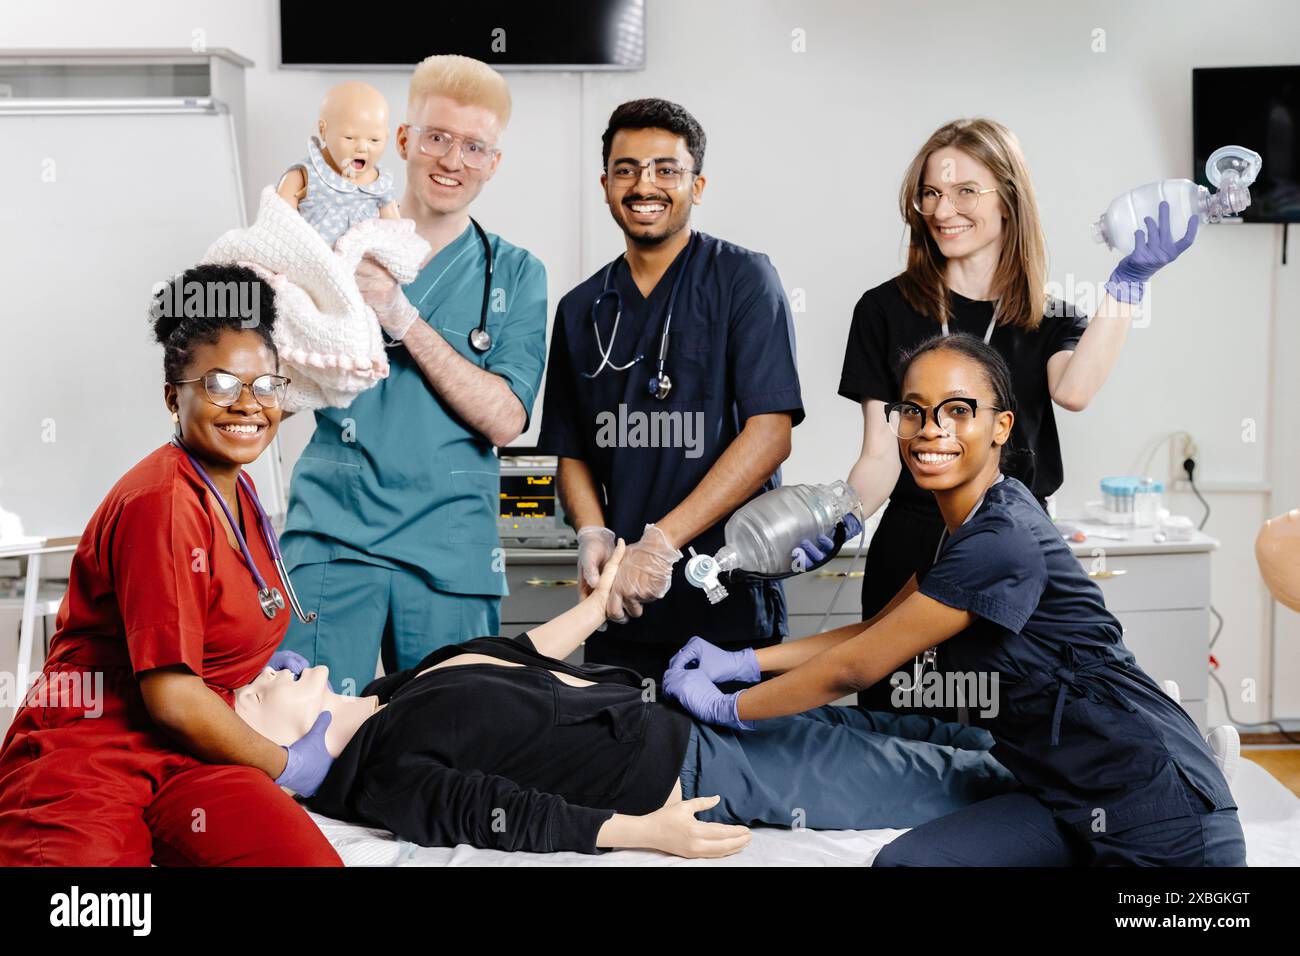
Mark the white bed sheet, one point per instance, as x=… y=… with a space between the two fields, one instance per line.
x=1270 y=817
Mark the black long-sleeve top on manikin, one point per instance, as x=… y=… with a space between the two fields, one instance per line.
x=507 y=758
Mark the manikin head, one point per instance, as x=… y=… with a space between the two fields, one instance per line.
x=283 y=708
x=353 y=127
x=1277 y=549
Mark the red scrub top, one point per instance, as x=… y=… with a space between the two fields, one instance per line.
x=155 y=582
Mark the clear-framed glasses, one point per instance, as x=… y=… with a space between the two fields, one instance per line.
x=438 y=143
x=667 y=173
x=953 y=415
x=224 y=389
x=963 y=198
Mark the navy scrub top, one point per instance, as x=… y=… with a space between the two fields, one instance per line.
x=731 y=355
x=397 y=478
x=1078 y=722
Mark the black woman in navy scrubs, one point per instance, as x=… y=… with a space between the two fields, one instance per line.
x=1112 y=771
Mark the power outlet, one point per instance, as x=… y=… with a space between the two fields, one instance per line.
x=1181 y=447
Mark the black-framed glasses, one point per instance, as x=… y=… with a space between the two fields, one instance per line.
x=663 y=172
x=224 y=389
x=964 y=198
x=438 y=143
x=952 y=415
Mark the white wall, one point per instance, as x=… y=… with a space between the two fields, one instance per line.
x=805 y=154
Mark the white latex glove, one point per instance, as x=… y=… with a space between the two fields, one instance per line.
x=595 y=545
x=382 y=293
x=645 y=575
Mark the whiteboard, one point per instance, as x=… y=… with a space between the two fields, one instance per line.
x=100 y=208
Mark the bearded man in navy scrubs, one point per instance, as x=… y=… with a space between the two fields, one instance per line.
x=665 y=467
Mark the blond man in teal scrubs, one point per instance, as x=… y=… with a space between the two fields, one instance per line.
x=391 y=534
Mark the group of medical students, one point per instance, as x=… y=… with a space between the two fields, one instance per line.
x=390 y=544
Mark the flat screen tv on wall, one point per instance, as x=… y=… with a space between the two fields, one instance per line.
x=508 y=34
x=1257 y=107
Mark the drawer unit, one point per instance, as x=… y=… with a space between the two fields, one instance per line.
x=1161 y=596
x=539 y=590
x=1171 y=645
x=1132 y=582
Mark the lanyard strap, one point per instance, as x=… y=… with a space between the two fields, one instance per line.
x=988 y=334
x=932 y=653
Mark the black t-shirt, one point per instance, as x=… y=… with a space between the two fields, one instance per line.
x=885 y=326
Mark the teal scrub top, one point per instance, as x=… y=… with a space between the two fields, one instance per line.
x=397 y=479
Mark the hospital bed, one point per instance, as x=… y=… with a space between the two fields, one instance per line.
x=1270 y=816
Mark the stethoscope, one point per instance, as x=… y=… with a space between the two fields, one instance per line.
x=268 y=597
x=659 y=385
x=480 y=339
x=930 y=655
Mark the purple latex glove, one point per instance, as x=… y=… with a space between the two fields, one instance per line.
x=290 y=661
x=1151 y=252
x=716 y=664
x=808 y=554
x=294 y=663
x=701 y=698
x=309 y=761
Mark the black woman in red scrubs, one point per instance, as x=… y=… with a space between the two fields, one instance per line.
x=127 y=750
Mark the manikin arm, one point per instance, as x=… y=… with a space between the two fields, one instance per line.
x=561 y=636
x=293 y=186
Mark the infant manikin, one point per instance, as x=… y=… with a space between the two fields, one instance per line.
x=339 y=184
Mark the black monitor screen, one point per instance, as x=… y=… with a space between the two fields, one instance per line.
x=593 y=34
x=1257 y=107
x=531 y=497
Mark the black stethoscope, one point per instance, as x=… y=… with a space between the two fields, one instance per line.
x=268 y=597
x=659 y=385
x=480 y=339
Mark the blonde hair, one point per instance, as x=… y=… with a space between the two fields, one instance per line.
x=468 y=81
x=1021 y=273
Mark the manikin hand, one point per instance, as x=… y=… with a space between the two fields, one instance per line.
x=646 y=575
x=595 y=545
x=605 y=583
x=309 y=761
x=382 y=293
x=1151 y=252
x=675 y=830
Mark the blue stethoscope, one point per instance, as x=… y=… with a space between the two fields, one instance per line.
x=269 y=598
x=659 y=385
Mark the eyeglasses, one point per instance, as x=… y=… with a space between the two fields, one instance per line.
x=926 y=202
x=952 y=415
x=224 y=389
x=438 y=143
x=664 y=173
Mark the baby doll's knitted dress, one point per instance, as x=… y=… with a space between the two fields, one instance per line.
x=334 y=203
